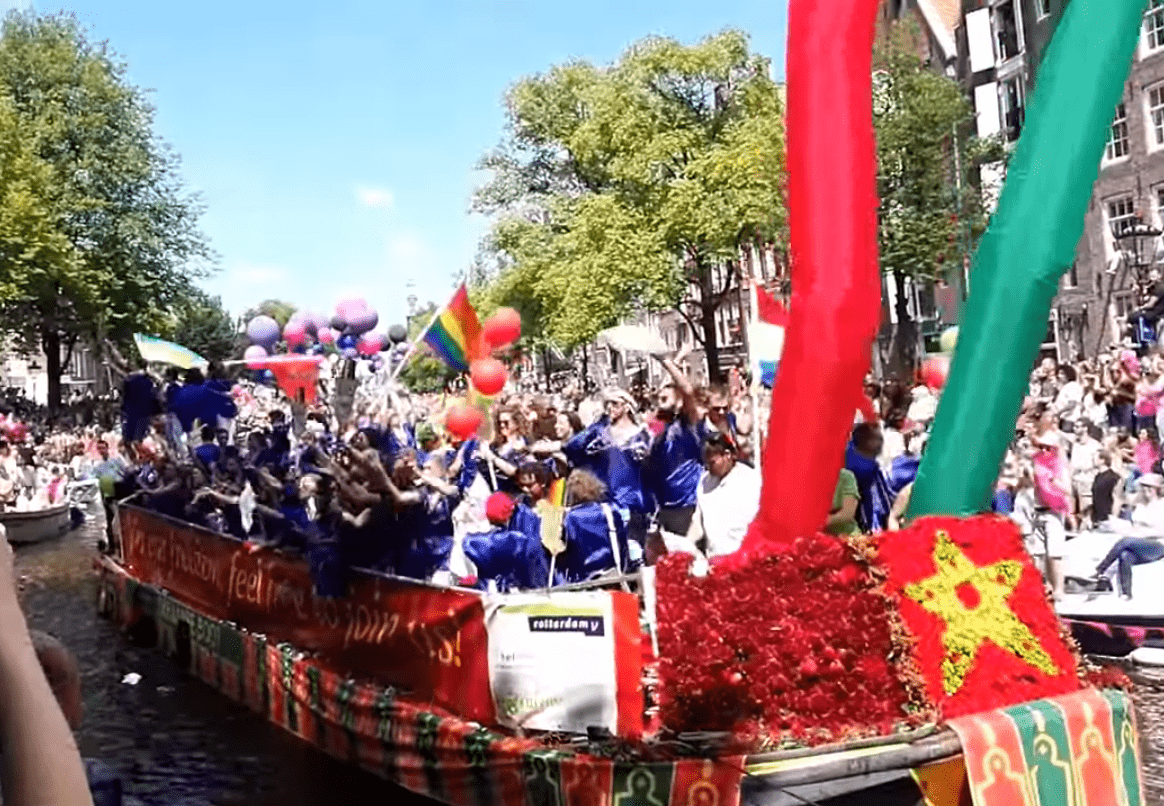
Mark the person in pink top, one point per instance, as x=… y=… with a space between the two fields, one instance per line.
x=1147 y=452
x=1149 y=390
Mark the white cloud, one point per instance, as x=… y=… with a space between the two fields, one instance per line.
x=375 y=197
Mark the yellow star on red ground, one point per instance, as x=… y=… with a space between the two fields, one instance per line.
x=968 y=626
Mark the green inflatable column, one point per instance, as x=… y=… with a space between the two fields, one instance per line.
x=1029 y=245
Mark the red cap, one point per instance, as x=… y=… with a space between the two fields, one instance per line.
x=499 y=509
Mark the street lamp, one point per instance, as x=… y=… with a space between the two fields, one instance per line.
x=1136 y=243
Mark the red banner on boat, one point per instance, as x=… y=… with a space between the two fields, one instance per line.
x=429 y=640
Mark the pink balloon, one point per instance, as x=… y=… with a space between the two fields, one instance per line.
x=349 y=308
x=294 y=332
x=326 y=335
x=255 y=356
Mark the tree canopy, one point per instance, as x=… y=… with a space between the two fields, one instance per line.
x=202 y=324
x=620 y=188
x=277 y=309
x=98 y=236
x=930 y=214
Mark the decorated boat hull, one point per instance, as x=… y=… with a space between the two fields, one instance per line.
x=340 y=674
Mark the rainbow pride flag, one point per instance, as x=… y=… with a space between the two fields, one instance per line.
x=160 y=351
x=455 y=333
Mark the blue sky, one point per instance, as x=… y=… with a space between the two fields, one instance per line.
x=333 y=144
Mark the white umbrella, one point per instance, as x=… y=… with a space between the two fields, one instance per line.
x=634 y=338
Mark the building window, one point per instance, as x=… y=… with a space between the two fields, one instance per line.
x=1117 y=141
x=1071 y=278
x=1121 y=217
x=1013 y=105
x=1006 y=31
x=1042 y=8
x=1156 y=115
x=1154 y=26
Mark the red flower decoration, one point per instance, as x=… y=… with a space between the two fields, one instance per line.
x=801 y=646
x=985 y=634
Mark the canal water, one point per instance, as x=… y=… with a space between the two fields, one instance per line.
x=176 y=741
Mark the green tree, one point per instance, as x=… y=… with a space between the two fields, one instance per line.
x=930 y=214
x=112 y=240
x=277 y=309
x=626 y=187
x=424 y=372
x=206 y=327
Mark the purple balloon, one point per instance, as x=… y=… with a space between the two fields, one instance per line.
x=254 y=356
x=363 y=321
x=350 y=352
x=263 y=330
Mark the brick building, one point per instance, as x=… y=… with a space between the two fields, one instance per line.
x=1000 y=45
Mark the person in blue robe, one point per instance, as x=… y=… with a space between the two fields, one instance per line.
x=510 y=559
x=614 y=449
x=595 y=532
x=876 y=496
x=675 y=463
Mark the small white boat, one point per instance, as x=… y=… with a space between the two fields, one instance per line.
x=1102 y=621
x=37 y=525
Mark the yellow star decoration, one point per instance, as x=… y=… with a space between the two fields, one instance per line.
x=967 y=628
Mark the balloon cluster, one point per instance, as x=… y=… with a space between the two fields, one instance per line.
x=348 y=332
x=487 y=374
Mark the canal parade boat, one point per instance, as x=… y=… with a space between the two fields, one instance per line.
x=1102 y=621
x=439 y=689
x=37 y=525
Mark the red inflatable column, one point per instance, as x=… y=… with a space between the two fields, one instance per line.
x=836 y=285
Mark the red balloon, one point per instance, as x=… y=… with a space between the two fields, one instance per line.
x=836 y=282
x=934 y=371
x=368 y=345
x=463 y=420
x=502 y=328
x=488 y=376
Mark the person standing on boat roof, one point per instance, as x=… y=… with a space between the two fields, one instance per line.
x=614 y=449
x=111 y=473
x=674 y=466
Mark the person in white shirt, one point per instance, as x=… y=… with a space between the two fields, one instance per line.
x=1149 y=513
x=1084 y=465
x=1069 y=400
x=1132 y=551
x=727 y=499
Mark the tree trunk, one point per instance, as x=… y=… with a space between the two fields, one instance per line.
x=710 y=337
x=51 y=340
x=904 y=344
x=546 y=366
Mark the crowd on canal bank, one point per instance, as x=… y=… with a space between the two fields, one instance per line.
x=566 y=486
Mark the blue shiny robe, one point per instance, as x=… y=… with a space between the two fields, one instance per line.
x=674 y=465
x=876 y=496
x=902 y=472
x=429 y=527
x=515 y=561
x=619 y=468
x=588 y=545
